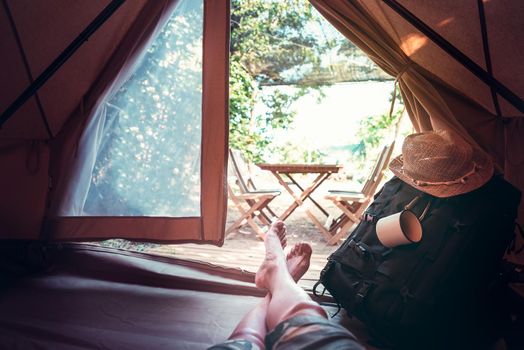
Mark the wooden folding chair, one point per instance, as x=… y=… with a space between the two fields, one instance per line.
x=252 y=203
x=351 y=203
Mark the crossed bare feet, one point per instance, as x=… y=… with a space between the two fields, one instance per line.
x=276 y=265
x=298 y=259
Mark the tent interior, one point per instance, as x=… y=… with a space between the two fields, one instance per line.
x=458 y=65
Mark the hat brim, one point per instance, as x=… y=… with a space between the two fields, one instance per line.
x=474 y=181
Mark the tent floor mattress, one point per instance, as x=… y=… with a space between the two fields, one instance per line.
x=77 y=296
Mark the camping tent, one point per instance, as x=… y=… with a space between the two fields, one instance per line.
x=458 y=64
x=38 y=139
x=49 y=141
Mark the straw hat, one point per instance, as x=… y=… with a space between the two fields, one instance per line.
x=442 y=164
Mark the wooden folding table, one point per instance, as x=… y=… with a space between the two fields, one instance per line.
x=304 y=192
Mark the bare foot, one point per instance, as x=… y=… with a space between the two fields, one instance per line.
x=298 y=260
x=275 y=261
x=279 y=228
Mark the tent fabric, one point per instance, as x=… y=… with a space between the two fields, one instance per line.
x=43 y=30
x=438 y=91
x=352 y=20
x=93 y=297
x=49 y=126
x=24 y=181
x=33 y=33
x=73 y=191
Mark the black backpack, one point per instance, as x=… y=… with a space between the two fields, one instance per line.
x=434 y=293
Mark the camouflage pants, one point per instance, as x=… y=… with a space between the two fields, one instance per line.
x=300 y=332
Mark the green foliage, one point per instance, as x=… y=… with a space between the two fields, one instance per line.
x=269 y=43
x=372 y=131
x=242 y=89
x=253 y=133
x=269 y=38
x=372 y=134
x=291 y=153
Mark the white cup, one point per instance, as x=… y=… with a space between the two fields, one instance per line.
x=398 y=229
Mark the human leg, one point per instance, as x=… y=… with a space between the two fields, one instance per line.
x=253 y=327
x=287 y=298
x=294 y=320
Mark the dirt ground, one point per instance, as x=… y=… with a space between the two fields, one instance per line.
x=243 y=248
x=300 y=227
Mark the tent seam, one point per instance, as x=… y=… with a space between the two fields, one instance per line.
x=27 y=68
x=487 y=55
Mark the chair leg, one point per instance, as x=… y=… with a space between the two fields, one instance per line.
x=341 y=232
x=237 y=224
x=260 y=232
x=348 y=218
x=338 y=222
x=318 y=224
x=247 y=216
x=262 y=217
x=347 y=209
x=271 y=212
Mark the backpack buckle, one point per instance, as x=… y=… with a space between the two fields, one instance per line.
x=360 y=249
x=363 y=290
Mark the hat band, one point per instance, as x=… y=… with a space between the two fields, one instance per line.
x=462 y=179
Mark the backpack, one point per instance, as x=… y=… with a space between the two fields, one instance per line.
x=434 y=293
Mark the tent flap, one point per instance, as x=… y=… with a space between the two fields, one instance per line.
x=438 y=90
x=35 y=33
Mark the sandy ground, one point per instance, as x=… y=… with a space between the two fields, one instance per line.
x=299 y=227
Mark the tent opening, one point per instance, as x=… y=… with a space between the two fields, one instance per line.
x=330 y=63
x=145 y=136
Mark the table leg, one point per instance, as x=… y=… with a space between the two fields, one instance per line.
x=327 y=235
x=307 y=193
x=297 y=200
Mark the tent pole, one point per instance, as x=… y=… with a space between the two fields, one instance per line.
x=106 y=13
x=487 y=55
x=458 y=55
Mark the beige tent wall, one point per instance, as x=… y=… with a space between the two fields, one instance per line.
x=23 y=187
x=439 y=92
x=43 y=29
x=34 y=33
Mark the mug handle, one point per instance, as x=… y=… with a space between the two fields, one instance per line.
x=413 y=202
